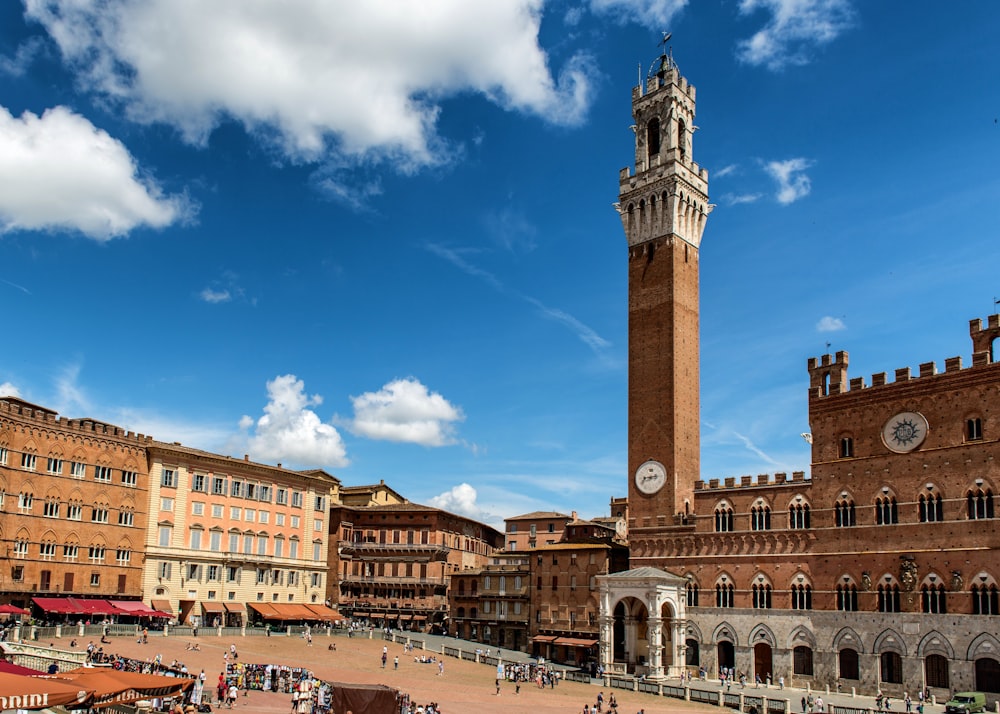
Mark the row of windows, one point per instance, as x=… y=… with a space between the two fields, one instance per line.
x=198 y=572
x=979 y=504
x=48 y=550
x=591 y=582
x=973 y=432
x=53 y=508
x=933 y=598
x=238 y=488
x=240 y=543
x=55 y=465
x=45 y=579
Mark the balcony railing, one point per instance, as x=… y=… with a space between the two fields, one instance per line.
x=347 y=547
x=401 y=580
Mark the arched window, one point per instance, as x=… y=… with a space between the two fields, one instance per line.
x=760 y=518
x=931 y=508
x=844 y=513
x=936 y=671
x=987 y=675
x=802 y=597
x=724 y=595
x=980 y=503
x=888 y=598
x=762 y=596
x=886 y=511
x=692 y=594
x=934 y=599
x=973 y=429
x=848 y=661
x=723 y=519
x=847 y=598
x=653 y=137
x=802 y=661
x=892 y=667
x=798 y=515
x=681 y=139
x=846 y=447
x=985 y=599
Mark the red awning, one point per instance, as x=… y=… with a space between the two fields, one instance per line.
x=543 y=638
x=112 y=686
x=97 y=607
x=138 y=609
x=265 y=610
x=212 y=607
x=58 y=605
x=235 y=607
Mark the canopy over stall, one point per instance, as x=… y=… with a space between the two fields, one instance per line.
x=113 y=686
x=20 y=692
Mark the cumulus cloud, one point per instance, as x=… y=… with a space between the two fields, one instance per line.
x=460 y=499
x=289 y=431
x=793 y=183
x=655 y=14
x=226 y=288
x=830 y=324
x=405 y=410
x=9 y=390
x=794 y=28
x=315 y=78
x=215 y=296
x=58 y=172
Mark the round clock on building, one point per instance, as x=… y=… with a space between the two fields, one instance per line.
x=650 y=477
x=904 y=432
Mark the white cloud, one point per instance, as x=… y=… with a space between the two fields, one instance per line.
x=291 y=432
x=459 y=499
x=735 y=199
x=830 y=324
x=793 y=184
x=404 y=410
x=315 y=77
x=215 y=296
x=725 y=171
x=17 y=65
x=656 y=14
x=795 y=26
x=59 y=172
x=9 y=390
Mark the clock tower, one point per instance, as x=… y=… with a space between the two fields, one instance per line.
x=663 y=206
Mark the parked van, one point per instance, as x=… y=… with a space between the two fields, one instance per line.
x=966 y=703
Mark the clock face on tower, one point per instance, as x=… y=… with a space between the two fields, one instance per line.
x=650 y=477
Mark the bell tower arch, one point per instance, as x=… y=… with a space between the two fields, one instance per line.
x=663 y=206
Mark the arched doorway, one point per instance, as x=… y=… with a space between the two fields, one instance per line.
x=692 y=655
x=987 y=675
x=726 y=654
x=631 y=634
x=762 y=660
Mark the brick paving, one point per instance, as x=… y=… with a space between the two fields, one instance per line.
x=465 y=688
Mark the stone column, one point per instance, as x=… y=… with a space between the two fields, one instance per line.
x=680 y=648
x=607 y=644
x=655 y=639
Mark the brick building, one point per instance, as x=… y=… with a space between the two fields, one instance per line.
x=879 y=571
x=534 y=529
x=73 y=494
x=394 y=562
x=492 y=605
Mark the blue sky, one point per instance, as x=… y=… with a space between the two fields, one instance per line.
x=380 y=240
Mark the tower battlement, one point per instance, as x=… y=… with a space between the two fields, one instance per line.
x=749 y=481
x=828 y=374
x=25 y=411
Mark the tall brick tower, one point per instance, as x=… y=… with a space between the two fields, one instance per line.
x=663 y=207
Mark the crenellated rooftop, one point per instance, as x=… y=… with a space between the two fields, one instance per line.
x=750 y=481
x=828 y=373
x=23 y=410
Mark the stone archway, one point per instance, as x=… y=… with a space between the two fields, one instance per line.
x=642 y=618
